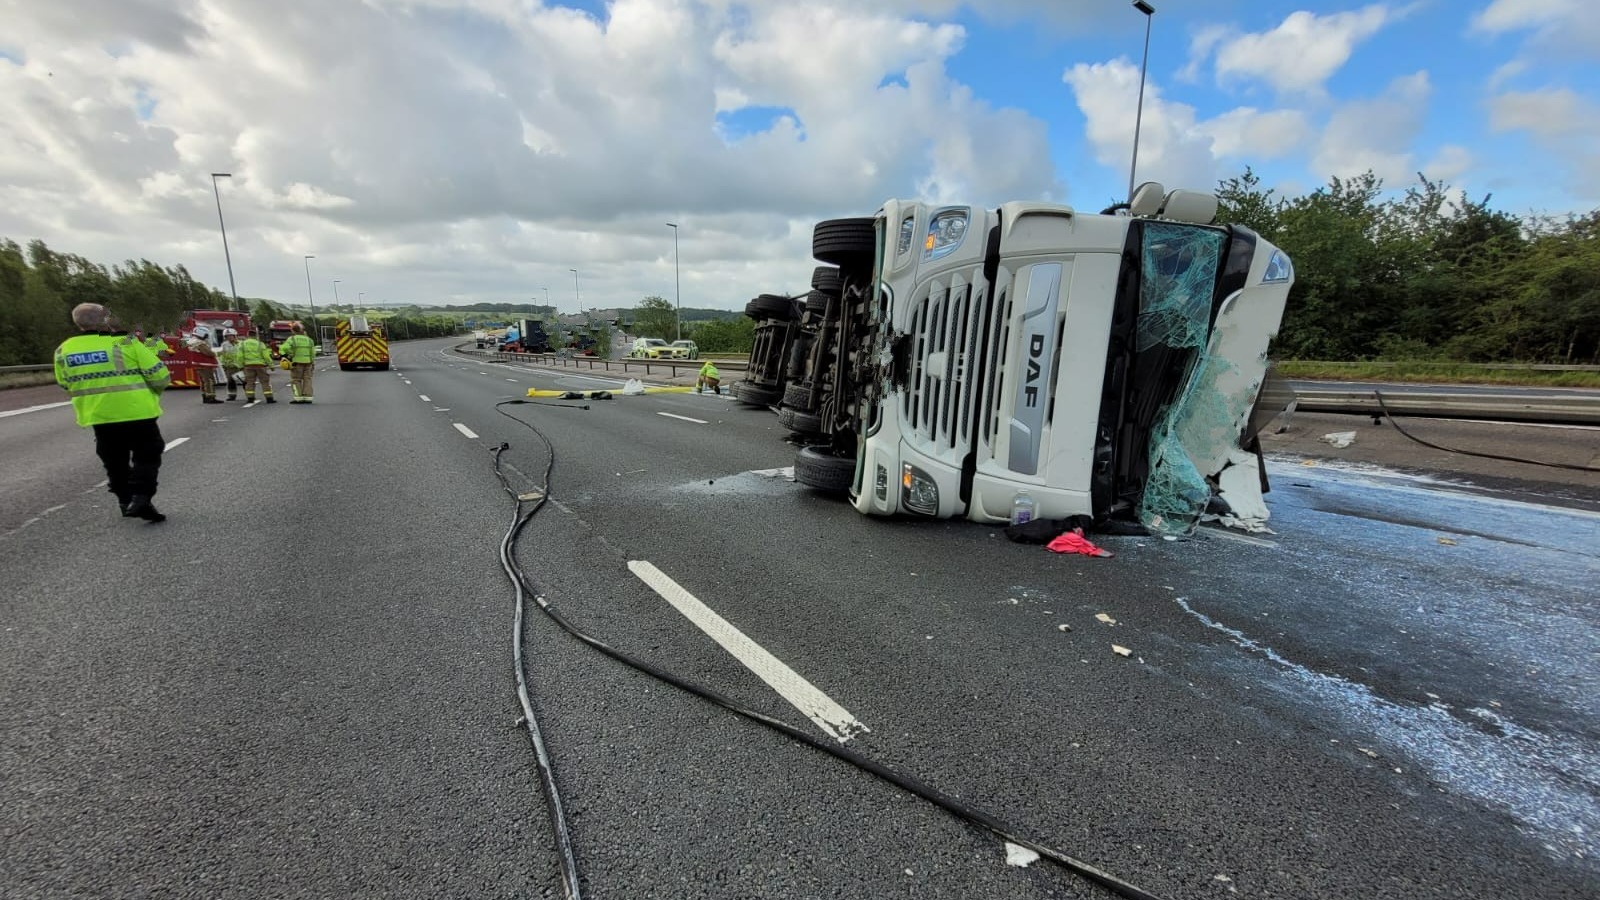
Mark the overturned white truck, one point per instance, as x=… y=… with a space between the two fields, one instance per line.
x=1107 y=365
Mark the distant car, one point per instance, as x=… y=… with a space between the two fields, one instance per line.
x=656 y=348
x=691 y=351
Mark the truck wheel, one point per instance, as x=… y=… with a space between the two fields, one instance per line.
x=770 y=306
x=797 y=396
x=799 y=422
x=816 y=468
x=846 y=243
x=754 y=394
x=826 y=279
x=817 y=302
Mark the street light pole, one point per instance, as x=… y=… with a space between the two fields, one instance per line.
x=315 y=333
x=336 y=292
x=225 y=254
x=677 y=287
x=577 y=297
x=1138 y=117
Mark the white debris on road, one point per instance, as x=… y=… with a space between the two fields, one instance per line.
x=1021 y=857
x=1339 y=439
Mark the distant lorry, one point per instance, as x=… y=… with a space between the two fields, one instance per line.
x=278 y=331
x=187 y=367
x=482 y=338
x=526 y=336
x=973 y=361
x=360 y=343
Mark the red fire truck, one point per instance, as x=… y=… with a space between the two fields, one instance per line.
x=188 y=367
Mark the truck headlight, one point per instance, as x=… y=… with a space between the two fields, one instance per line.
x=1279 y=269
x=945 y=233
x=918 y=492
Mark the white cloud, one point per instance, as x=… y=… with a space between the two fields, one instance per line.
x=426 y=148
x=1566 y=25
x=1299 y=55
x=1377 y=133
x=1175 y=146
x=1564 y=124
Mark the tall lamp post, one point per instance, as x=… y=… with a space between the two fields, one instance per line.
x=677 y=287
x=225 y=254
x=577 y=297
x=1138 y=117
x=315 y=332
x=336 y=292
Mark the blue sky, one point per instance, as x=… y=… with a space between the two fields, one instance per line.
x=460 y=150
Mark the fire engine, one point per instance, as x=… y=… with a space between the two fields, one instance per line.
x=361 y=343
x=188 y=367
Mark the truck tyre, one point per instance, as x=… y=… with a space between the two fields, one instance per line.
x=826 y=279
x=770 y=306
x=816 y=468
x=846 y=243
x=797 y=396
x=754 y=394
x=817 y=302
x=799 y=422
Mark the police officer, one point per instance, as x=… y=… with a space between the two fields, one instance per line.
x=256 y=358
x=115 y=382
x=301 y=352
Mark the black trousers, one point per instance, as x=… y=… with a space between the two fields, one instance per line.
x=131 y=452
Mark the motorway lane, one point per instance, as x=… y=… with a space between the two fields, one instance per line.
x=1464 y=390
x=1169 y=768
x=293 y=687
x=1359 y=831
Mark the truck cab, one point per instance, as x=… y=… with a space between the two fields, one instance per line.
x=1105 y=364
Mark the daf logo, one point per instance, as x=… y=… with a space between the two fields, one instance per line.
x=1030 y=389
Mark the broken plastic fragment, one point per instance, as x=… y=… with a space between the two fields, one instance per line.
x=1120 y=650
x=1063 y=627
x=1102 y=617
x=1339 y=439
x=1448 y=542
x=1021 y=857
x=634 y=386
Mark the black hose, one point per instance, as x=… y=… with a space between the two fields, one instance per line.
x=1516 y=459
x=944 y=801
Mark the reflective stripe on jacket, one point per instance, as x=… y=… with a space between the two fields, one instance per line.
x=254 y=353
x=111 y=378
x=299 y=348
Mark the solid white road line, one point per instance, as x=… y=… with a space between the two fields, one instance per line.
x=29 y=409
x=175 y=442
x=465 y=430
x=684 y=418
x=424 y=398
x=802 y=694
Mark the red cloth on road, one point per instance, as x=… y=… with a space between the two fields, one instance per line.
x=1074 y=542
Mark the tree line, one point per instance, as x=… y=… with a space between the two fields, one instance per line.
x=1426 y=275
x=729 y=333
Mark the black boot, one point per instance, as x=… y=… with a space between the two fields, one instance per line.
x=122 y=503
x=270 y=400
x=139 y=506
x=210 y=400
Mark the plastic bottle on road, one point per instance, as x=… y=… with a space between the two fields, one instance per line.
x=1021 y=508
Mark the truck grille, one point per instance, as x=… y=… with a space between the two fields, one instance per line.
x=957 y=334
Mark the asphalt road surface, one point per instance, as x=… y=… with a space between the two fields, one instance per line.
x=1463 y=390
x=301 y=684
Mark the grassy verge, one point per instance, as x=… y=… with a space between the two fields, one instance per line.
x=1435 y=373
x=25 y=379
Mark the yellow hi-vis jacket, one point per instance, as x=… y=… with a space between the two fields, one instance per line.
x=298 y=348
x=254 y=353
x=111 y=378
x=710 y=371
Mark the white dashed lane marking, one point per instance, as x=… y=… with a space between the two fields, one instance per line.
x=424 y=398
x=175 y=442
x=684 y=418
x=39 y=408
x=817 y=706
x=465 y=430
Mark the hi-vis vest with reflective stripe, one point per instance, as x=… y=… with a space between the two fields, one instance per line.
x=298 y=348
x=112 y=378
x=254 y=353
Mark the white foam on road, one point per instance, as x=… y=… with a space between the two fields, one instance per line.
x=683 y=418
x=175 y=442
x=802 y=694
x=41 y=407
x=465 y=430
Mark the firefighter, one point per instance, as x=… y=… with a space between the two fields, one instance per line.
x=205 y=374
x=228 y=355
x=256 y=358
x=115 y=382
x=301 y=352
x=710 y=379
